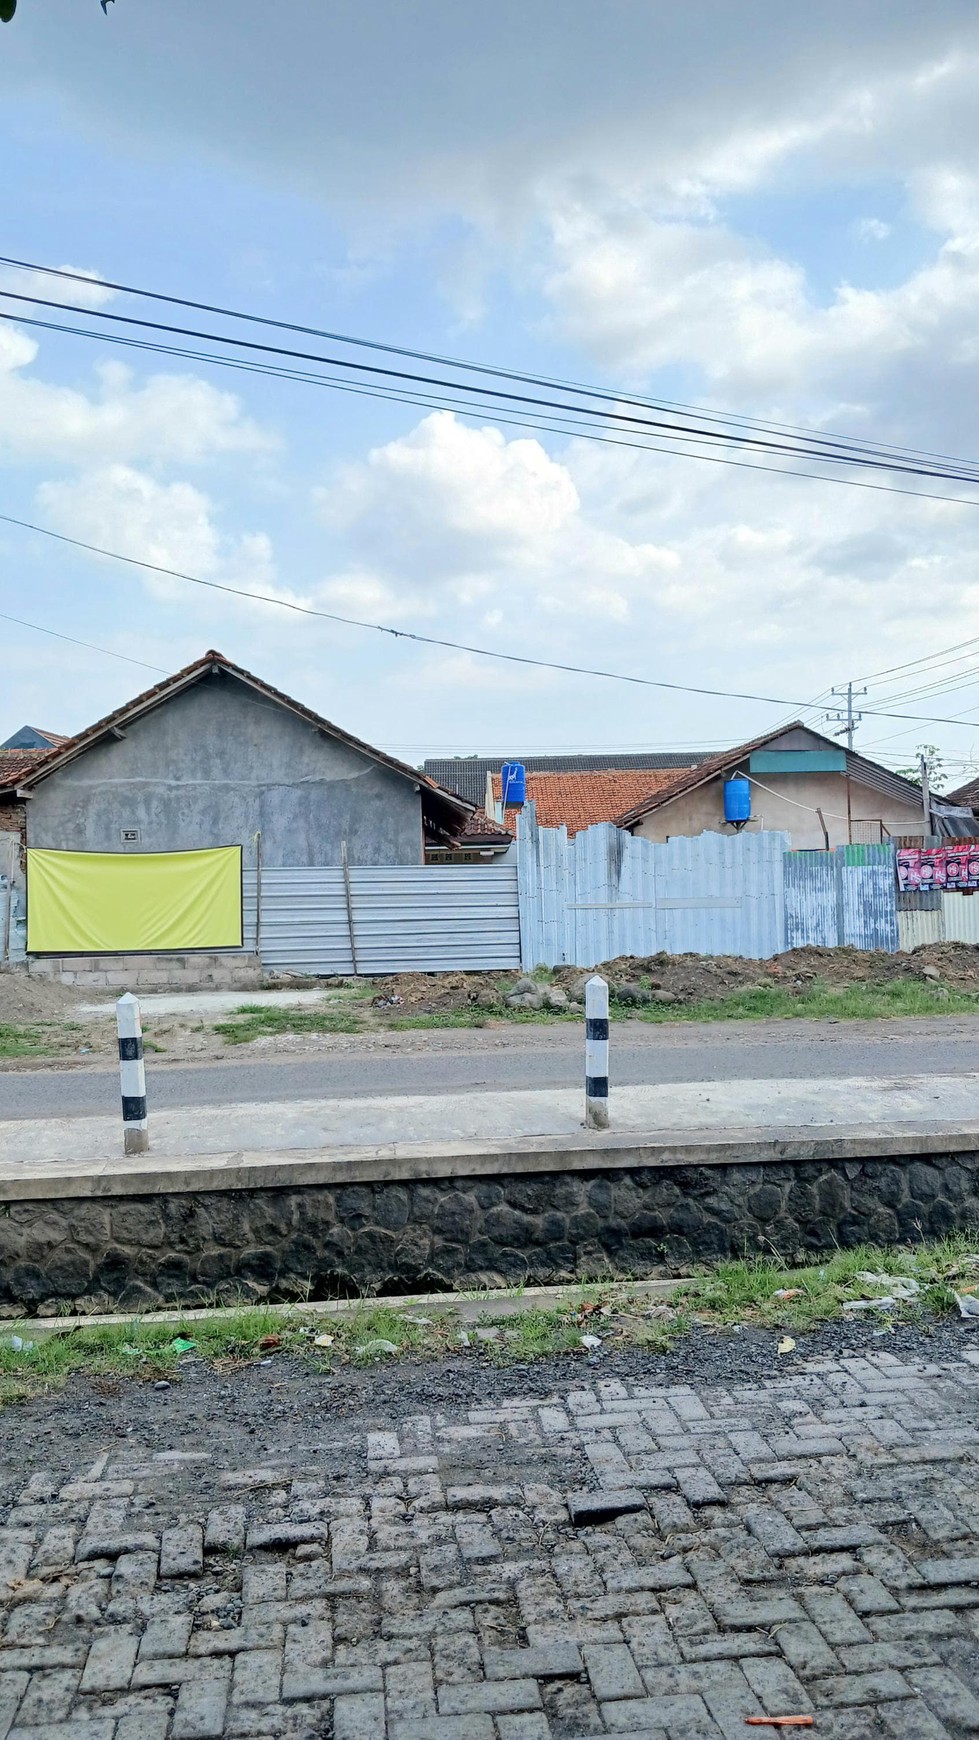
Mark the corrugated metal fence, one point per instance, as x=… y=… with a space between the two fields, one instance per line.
x=954 y=918
x=845 y=896
x=400 y=918
x=607 y=893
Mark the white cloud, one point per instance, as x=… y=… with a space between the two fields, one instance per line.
x=871 y=229
x=167 y=524
x=164 y=418
x=86 y=288
x=452 y=512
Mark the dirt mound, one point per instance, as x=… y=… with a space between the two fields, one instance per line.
x=23 y=999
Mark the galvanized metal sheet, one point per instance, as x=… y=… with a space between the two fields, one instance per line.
x=607 y=893
x=961 y=917
x=917 y=928
x=406 y=918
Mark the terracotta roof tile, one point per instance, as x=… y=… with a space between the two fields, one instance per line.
x=15 y=763
x=578 y=800
x=482 y=830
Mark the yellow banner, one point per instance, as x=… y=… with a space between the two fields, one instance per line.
x=119 y=902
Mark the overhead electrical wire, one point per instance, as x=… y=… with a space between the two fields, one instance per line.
x=438 y=640
x=846 y=443
x=812 y=449
x=107 y=651
x=544 y=421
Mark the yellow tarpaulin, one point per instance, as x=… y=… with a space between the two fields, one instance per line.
x=115 y=902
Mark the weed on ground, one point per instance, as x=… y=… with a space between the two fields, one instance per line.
x=879 y=1287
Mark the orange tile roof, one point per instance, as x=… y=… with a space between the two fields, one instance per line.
x=14 y=763
x=578 y=800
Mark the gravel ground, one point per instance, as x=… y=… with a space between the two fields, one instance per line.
x=255 y=1400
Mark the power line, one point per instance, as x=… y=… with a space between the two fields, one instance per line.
x=109 y=654
x=543 y=421
x=813 y=449
x=673 y=406
x=435 y=640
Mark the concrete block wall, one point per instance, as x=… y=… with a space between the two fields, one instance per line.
x=151 y=972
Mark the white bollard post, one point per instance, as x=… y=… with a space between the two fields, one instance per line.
x=135 y=1124
x=596 y=1053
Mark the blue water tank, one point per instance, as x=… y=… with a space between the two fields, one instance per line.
x=513 y=782
x=737 y=800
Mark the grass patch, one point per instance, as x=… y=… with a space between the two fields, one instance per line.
x=38 y=1039
x=586 y=1323
x=820 y=1001
x=255 y=1020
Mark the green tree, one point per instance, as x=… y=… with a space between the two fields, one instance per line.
x=933 y=762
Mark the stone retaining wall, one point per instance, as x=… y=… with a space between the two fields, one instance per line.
x=193 y=1247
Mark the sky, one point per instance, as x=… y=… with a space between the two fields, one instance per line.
x=764 y=210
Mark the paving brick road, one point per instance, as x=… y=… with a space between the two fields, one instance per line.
x=615 y=1559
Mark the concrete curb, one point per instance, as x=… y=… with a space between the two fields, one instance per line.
x=467 y=1307
x=292 y=1168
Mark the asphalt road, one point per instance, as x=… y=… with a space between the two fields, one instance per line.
x=480 y=1062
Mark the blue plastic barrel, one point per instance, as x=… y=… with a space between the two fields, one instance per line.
x=737 y=800
x=513 y=779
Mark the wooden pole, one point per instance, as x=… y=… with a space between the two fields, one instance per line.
x=350 y=906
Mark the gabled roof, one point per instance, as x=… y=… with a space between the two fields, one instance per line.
x=32 y=737
x=967 y=794
x=446 y=809
x=15 y=763
x=579 y=800
x=482 y=831
x=466 y=774
x=858 y=768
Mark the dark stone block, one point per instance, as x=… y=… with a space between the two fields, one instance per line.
x=802 y=1200
x=413 y=1249
x=487 y=1194
x=505 y=1225
x=924 y=1181
x=392 y=1207
x=137 y=1222
x=642 y=1225
x=260 y=1263
x=584 y=1225
x=355 y=1207
x=300 y=1255
x=455 y=1217
x=833 y=1196
x=136 y=1296
x=942 y=1218
x=115 y=1269
x=686 y=1217
x=173 y=1277
x=69 y=1272
x=600 y=1196
x=765 y=1202
x=551 y=1229
x=26 y=1284
x=270 y=1218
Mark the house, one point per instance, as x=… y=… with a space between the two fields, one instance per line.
x=468 y=774
x=576 y=800
x=215 y=755
x=807 y=785
x=209 y=773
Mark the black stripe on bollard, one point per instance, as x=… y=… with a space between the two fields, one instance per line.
x=596 y=1087
x=130 y=1050
x=596 y=1027
x=133 y=1108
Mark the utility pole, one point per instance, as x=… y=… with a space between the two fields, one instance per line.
x=849 y=720
x=925 y=792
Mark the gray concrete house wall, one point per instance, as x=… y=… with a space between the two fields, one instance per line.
x=215 y=765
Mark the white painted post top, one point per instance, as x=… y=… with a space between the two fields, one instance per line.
x=127 y=1016
x=596 y=990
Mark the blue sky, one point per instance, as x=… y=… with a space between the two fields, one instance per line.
x=750 y=208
